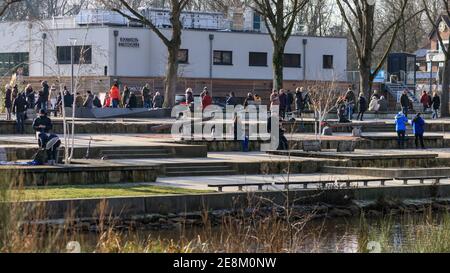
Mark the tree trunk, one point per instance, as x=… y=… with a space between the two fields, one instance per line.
x=365 y=84
x=277 y=62
x=171 y=76
x=445 y=88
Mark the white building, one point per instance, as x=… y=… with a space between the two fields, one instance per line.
x=114 y=49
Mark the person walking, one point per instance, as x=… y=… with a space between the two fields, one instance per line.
x=425 y=100
x=350 y=99
x=374 y=105
x=132 y=101
x=418 y=124
x=146 y=97
x=232 y=99
x=362 y=107
x=404 y=101
x=68 y=98
x=19 y=109
x=114 y=93
x=189 y=96
x=8 y=101
x=79 y=101
x=299 y=103
x=400 y=126
x=436 y=104
x=158 y=100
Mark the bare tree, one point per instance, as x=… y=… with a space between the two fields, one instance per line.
x=280 y=17
x=5 y=4
x=359 y=16
x=173 y=43
x=323 y=97
x=446 y=71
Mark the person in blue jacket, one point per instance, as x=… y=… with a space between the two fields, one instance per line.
x=400 y=126
x=418 y=124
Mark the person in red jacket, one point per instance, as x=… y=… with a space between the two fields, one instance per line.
x=206 y=99
x=114 y=94
x=425 y=100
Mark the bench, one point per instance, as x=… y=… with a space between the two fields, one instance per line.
x=422 y=179
x=347 y=182
x=239 y=185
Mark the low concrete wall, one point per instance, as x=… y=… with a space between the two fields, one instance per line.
x=77 y=175
x=385 y=172
x=105 y=113
x=125 y=207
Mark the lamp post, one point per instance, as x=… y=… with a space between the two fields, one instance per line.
x=431 y=56
x=72 y=42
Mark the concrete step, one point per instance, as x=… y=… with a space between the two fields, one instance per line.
x=134 y=153
x=388 y=172
x=201 y=173
x=198 y=167
x=134 y=156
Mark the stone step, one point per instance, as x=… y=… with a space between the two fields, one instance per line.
x=201 y=173
x=388 y=172
x=198 y=167
x=132 y=151
x=135 y=156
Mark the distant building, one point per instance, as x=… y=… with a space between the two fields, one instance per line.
x=224 y=54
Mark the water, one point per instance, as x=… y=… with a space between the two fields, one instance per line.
x=318 y=236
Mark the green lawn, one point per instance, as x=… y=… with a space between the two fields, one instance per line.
x=95 y=191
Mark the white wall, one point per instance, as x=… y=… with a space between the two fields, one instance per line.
x=149 y=60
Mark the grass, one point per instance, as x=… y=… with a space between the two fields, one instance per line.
x=96 y=191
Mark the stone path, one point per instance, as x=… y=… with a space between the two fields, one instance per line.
x=200 y=183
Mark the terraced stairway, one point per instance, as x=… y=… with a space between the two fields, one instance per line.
x=199 y=169
x=135 y=153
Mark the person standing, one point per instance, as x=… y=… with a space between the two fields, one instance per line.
x=250 y=100
x=289 y=101
x=400 y=126
x=436 y=104
x=362 y=106
x=350 y=99
x=89 y=101
x=107 y=101
x=8 y=101
x=68 y=98
x=189 y=96
x=79 y=101
x=114 y=93
x=132 y=101
x=125 y=96
x=30 y=96
x=44 y=95
x=299 y=100
x=146 y=98
x=158 y=100
x=19 y=109
x=404 y=101
x=232 y=99
x=283 y=103
x=418 y=124
x=274 y=99
x=206 y=99
x=96 y=102
x=258 y=100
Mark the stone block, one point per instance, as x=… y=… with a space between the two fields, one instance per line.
x=312 y=146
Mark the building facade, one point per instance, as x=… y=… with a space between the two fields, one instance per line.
x=108 y=49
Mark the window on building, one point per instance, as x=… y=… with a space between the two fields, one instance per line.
x=81 y=54
x=292 y=60
x=183 y=56
x=11 y=63
x=328 y=62
x=257 y=59
x=256 y=21
x=223 y=57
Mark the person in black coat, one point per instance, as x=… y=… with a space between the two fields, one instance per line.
x=19 y=109
x=43 y=96
x=362 y=106
x=132 y=101
x=405 y=102
x=299 y=103
x=436 y=105
x=8 y=101
x=232 y=99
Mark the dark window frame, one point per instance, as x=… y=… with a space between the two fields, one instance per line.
x=63 y=54
x=325 y=62
x=256 y=64
x=289 y=65
x=187 y=56
x=11 y=62
x=222 y=53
